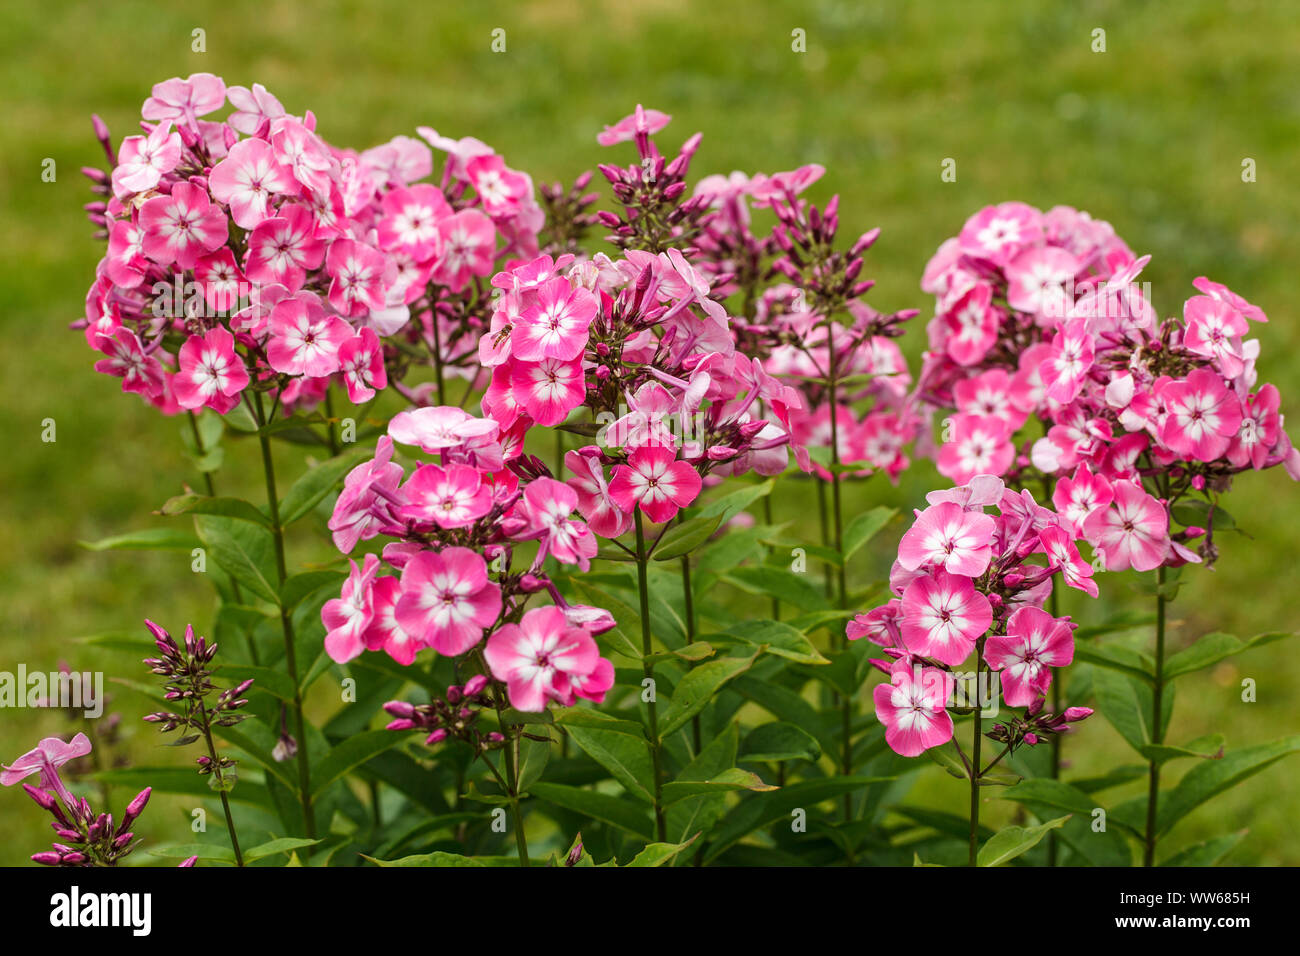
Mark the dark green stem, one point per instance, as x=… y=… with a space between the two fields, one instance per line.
x=841 y=594
x=1157 y=721
x=976 y=744
x=286 y=626
x=216 y=769
x=647 y=648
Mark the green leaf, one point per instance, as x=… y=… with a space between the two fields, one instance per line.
x=204 y=851
x=225 y=507
x=945 y=755
x=685 y=537
x=1209 y=747
x=280 y=845
x=1009 y=842
x=864 y=527
x=1207 y=853
x=725 y=782
x=349 y=754
x=297 y=587
x=763 y=809
x=625 y=757
x=615 y=811
x=1115 y=657
x=1212 y=777
x=694 y=815
x=778 y=741
x=696 y=689
x=598 y=720
x=147 y=539
x=444 y=859
x=1127 y=704
x=1054 y=795
x=728 y=506
x=779 y=639
x=1213 y=648
x=533 y=757
x=657 y=854
x=305 y=493
x=780 y=583
x=245 y=550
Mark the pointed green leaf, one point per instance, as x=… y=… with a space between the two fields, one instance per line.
x=1010 y=842
x=225 y=507
x=685 y=537
x=350 y=754
x=864 y=527
x=616 y=811
x=697 y=688
x=305 y=493
x=245 y=550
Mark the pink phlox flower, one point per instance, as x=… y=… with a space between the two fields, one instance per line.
x=468 y=248
x=595 y=504
x=1202 y=416
x=142 y=161
x=255 y=108
x=881 y=625
x=181 y=227
x=546 y=507
x=361 y=360
x=537 y=658
x=211 y=373
x=1079 y=496
x=948 y=536
x=439 y=428
x=654 y=480
x=1062 y=555
x=640 y=121
x=305 y=339
x=1035 y=642
x=411 y=220
x=1261 y=427
x=447 y=600
x=500 y=188
x=126 y=359
x=284 y=248
x=998 y=233
x=979 y=445
x=548 y=389
x=1214 y=329
x=1066 y=368
x=912 y=706
x=247 y=179
x=1132 y=532
x=555 y=325
x=365 y=505
x=348 y=616
x=450 y=496
x=361 y=276
x=990 y=393
x=943 y=615
x=184 y=101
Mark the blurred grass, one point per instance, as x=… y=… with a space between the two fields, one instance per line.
x=1150 y=135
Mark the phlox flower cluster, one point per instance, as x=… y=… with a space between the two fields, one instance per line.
x=250 y=252
x=967 y=581
x=1040 y=316
x=85 y=838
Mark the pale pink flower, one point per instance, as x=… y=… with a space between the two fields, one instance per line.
x=305 y=339
x=1037 y=281
x=881 y=625
x=538 y=657
x=948 y=536
x=363 y=506
x=181 y=227
x=247 y=179
x=222 y=281
x=979 y=445
x=656 y=481
x=1066 y=367
x=1202 y=416
x=1214 y=330
x=1062 y=555
x=547 y=506
x=253 y=107
x=912 y=708
x=499 y=187
x=468 y=248
x=439 y=428
x=450 y=496
x=348 y=616
x=997 y=233
x=1224 y=294
x=184 y=101
x=990 y=393
x=640 y=120
x=45 y=759
x=1035 y=642
x=556 y=325
x=361 y=361
x=603 y=515
x=211 y=372
x=943 y=616
x=125 y=262
x=547 y=390
x=447 y=600
x=360 y=275
x=284 y=248
x=1133 y=532
x=1079 y=496
x=411 y=220
x=142 y=161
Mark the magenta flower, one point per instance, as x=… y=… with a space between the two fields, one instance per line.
x=142 y=161
x=348 y=617
x=547 y=506
x=547 y=390
x=992 y=393
x=912 y=706
x=1035 y=642
x=439 y=428
x=656 y=481
x=1037 y=279
x=1079 y=496
x=1261 y=426
x=556 y=325
x=943 y=616
x=181 y=227
x=46 y=759
x=972 y=325
x=468 y=248
x=384 y=632
x=211 y=373
x=500 y=188
x=1068 y=363
x=640 y=122
x=1063 y=555
x=360 y=277
x=305 y=339
x=603 y=515
x=1202 y=416
x=361 y=361
x=411 y=221
x=127 y=360
x=1133 y=532
x=996 y=232
x=362 y=508
x=450 y=496
x=284 y=248
x=539 y=657
x=184 y=101
x=1214 y=330
x=222 y=281
x=447 y=600
x=948 y=536
x=247 y=179
x=980 y=445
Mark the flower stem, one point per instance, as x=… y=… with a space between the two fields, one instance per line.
x=437 y=357
x=656 y=745
x=1157 y=714
x=975 y=771
x=1052 y=846
x=841 y=581
x=329 y=423
x=225 y=800
x=286 y=625
x=511 y=753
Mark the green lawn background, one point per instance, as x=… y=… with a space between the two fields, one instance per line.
x=1150 y=135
